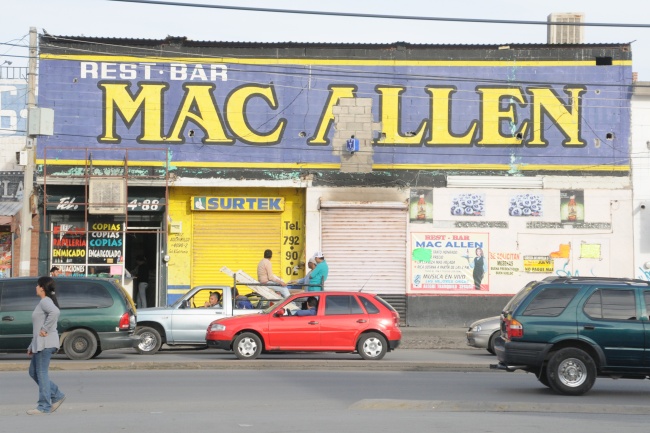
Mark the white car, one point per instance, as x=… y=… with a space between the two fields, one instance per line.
x=482 y=333
x=186 y=320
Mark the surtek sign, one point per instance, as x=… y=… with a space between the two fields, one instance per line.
x=247 y=204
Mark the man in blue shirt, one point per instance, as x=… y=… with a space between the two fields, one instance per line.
x=311 y=308
x=318 y=276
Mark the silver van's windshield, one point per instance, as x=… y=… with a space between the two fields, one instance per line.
x=516 y=300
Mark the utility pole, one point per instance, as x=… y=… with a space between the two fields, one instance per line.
x=28 y=181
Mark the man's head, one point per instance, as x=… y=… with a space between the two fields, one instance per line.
x=214 y=298
x=268 y=254
x=319 y=257
x=311 y=264
x=55 y=271
x=311 y=301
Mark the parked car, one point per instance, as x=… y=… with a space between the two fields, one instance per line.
x=482 y=333
x=343 y=322
x=567 y=331
x=96 y=315
x=184 y=322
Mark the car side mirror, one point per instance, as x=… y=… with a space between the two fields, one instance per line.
x=279 y=313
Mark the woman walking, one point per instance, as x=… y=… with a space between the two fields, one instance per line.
x=45 y=343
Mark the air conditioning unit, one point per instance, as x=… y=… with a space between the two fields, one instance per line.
x=107 y=196
x=22 y=157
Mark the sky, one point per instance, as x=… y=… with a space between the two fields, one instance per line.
x=104 y=18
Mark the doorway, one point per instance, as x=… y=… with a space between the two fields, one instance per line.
x=143 y=240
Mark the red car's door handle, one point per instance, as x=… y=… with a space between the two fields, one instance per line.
x=362 y=321
x=312 y=323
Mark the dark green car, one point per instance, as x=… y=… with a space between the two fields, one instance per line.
x=96 y=315
x=568 y=331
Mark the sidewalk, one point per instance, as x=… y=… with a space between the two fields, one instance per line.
x=433 y=338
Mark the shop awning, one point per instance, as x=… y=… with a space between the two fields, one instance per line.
x=8 y=209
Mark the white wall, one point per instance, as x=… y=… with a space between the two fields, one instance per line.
x=640 y=155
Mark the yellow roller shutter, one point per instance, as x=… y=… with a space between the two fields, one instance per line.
x=233 y=239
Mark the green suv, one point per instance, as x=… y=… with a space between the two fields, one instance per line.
x=96 y=314
x=567 y=331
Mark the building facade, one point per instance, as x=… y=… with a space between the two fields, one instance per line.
x=443 y=178
x=13 y=159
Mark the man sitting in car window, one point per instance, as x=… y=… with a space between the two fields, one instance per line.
x=312 y=303
x=214 y=301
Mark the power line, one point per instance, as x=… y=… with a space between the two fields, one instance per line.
x=380 y=16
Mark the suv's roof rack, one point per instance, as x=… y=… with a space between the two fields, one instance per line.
x=597 y=279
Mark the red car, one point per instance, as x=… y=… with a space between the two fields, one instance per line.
x=312 y=322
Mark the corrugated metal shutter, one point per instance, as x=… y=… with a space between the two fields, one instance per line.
x=365 y=246
x=233 y=239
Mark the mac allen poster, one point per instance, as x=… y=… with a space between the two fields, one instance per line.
x=447 y=262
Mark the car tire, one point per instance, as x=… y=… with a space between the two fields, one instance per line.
x=150 y=340
x=97 y=352
x=571 y=371
x=247 y=346
x=80 y=344
x=490 y=347
x=372 y=346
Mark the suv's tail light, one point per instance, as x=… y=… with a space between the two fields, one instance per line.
x=514 y=329
x=125 y=321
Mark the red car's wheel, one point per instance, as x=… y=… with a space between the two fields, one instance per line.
x=372 y=346
x=247 y=346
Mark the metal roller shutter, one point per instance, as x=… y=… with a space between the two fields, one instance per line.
x=365 y=246
x=233 y=239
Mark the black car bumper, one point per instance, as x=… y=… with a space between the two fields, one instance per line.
x=118 y=340
x=219 y=344
x=514 y=355
x=393 y=344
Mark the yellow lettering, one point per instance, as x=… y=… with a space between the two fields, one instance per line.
x=390 y=109
x=236 y=115
x=147 y=103
x=327 y=117
x=566 y=117
x=199 y=107
x=441 y=133
x=492 y=116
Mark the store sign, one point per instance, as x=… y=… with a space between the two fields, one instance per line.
x=134 y=204
x=11 y=185
x=106 y=243
x=229 y=204
x=221 y=114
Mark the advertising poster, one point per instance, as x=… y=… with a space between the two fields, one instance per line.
x=68 y=244
x=572 y=206
x=106 y=246
x=449 y=262
x=526 y=205
x=421 y=206
x=539 y=264
x=5 y=254
x=468 y=204
x=505 y=263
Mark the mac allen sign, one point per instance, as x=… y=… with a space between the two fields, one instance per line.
x=274 y=113
x=232 y=121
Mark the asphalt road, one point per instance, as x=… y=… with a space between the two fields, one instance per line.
x=284 y=400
